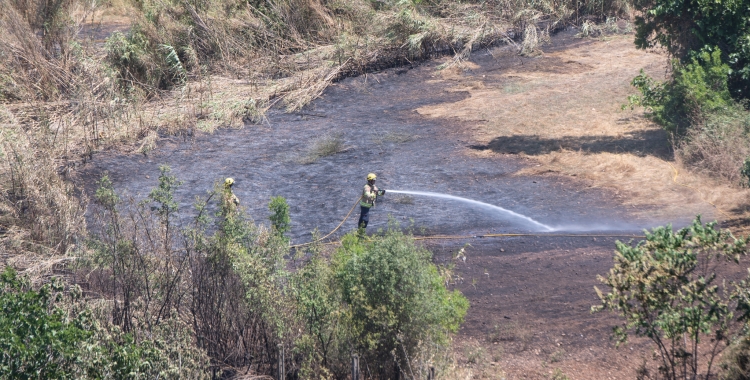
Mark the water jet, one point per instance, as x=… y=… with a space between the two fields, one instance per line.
x=487 y=206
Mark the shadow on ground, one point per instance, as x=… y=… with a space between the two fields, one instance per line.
x=641 y=143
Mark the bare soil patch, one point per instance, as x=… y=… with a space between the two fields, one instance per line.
x=530 y=310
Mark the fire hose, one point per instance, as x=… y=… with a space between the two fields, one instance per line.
x=451 y=237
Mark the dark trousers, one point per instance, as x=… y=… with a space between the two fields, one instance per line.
x=364 y=217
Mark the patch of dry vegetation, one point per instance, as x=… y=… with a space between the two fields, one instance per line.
x=562 y=110
x=718 y=144
x=323 y=147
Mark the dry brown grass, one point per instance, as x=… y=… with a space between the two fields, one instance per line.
x=717 y=146
x=41 y=214
x=324 y=146
x=472 y=360
x=562 y=110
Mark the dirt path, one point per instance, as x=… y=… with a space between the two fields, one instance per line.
x=541 y=136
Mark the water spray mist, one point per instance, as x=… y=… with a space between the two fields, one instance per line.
x=487 y=206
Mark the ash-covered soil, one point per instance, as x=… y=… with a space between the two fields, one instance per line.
x=375 y=117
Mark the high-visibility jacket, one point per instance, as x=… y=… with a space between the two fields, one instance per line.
x=229 y=201
x=369 y=193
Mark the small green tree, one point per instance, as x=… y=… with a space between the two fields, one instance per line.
x=163 y=194
x=106 y=195
x=163 y=197
x=697 y=87
x=666 y=289
x=280 y=220
x=320 y=309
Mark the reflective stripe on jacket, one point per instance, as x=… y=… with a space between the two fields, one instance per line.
x=369 y=193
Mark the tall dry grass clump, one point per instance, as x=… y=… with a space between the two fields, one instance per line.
x=41 y=214
x=718 y=144
x=39 y=55
x=58 y=105
x=296 y=47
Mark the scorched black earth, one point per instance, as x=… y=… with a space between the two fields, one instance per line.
x=375 y=117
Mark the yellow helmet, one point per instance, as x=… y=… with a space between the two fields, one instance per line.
x=371 y=177
x=229 y=182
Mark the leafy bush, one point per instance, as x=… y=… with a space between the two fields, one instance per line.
x=51 y=334
x=696 y=89
x=667 y=289
x=37 y=340
x=142 y=62
x=687 y=26
x=280 y=220
x=711 y=130
x=324 y=345
x=398 y=304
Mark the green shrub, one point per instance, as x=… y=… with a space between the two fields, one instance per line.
x=711 y=130
x=397 y=300
x=280 y=220
x=695 y=90
x=143 y=62
x=37 y=340
x=559 y=375
x=52 y=334
x=323 y=345
x=667 y=290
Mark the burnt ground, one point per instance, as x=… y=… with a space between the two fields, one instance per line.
x=375 y=117
x=530 y=296
x=530 y=310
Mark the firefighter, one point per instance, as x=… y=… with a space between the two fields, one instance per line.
x=369 y=193
x=229 y=201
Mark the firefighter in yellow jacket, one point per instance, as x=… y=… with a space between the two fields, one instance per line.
x=229 y=201
x=369 y=193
